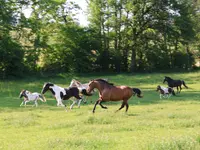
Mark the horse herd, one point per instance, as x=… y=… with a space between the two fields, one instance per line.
x=107 y=92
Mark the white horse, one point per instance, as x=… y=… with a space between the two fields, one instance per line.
x=76 y=83
x=165 y=92
x=28 y=97
x=64 y=93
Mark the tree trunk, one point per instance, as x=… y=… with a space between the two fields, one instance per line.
x=133 y=60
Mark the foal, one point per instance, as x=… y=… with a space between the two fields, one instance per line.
x=28 y=96
x=165 y=92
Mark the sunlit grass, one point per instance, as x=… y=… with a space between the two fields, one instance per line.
x=150 y=124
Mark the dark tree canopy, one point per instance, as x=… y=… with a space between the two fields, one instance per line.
x=122 y=36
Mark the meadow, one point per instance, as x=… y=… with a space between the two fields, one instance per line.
x=150 y=124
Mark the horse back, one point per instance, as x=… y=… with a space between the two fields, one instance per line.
x=69 y=92
x=117 y=93
x=174 y=83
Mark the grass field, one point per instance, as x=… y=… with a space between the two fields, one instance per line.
x=150 y=124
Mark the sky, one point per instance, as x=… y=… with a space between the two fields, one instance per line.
x=82 y=16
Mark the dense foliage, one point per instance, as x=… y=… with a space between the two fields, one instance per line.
x=122 y=36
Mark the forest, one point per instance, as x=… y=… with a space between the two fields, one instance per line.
x=122 y=36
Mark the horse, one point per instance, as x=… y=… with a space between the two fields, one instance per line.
x=175 y=83
x=28 y=96
x=64 y=93
x=76 y=83
x=109 y=92
x=165 y=92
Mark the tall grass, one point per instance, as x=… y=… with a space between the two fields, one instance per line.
x=150 y=124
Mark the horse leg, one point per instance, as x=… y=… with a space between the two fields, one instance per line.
x=177 y=89
x=74 y=102
x=160 y=96
x=180 y=89
x=79 y=99
x=25 y=103
x=122 y=106
x=36 y=104
x=22 y=104
x=97 y=102
x=127 y=106
x=79 y=102
x=59 y=102
x=102 y=105
x=85 y=99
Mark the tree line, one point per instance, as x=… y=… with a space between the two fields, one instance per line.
x=122 y=36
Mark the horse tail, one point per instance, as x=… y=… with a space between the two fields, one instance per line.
x=42 y=97
x=84 y=92
x=138 y=92
x=184 y=84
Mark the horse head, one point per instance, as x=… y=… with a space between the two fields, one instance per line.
x=23 y=93
x=167 y=79
x=158 y=88
x=46 y=87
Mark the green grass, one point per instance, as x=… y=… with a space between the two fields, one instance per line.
x=150 y=124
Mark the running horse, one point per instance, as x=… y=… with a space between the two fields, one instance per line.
x=109 y=92
x=61 y=93
x=28 y=97
x=79 y=85
x=165 y=92
x=175 y=83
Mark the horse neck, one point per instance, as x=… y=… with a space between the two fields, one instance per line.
x=94 y=86
x=72 y=83
x=169 y=80
x=100 y=86
x=56 y=89
x=75 y=83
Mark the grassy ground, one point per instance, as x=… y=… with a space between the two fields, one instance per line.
x=150 y=124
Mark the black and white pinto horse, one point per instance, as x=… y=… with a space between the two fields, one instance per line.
x=165 y=92
x=28 y=97
x=64 y=93
x=175 y=83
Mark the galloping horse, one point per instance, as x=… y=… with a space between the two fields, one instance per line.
x=28 y=96
x=165 y=92
x=64 y=93
x=109 y=92
x=174 y=83
x=79 y=85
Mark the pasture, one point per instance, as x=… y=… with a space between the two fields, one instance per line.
x=150 y=124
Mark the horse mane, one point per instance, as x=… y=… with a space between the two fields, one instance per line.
x=168 y=77
x=104 y=81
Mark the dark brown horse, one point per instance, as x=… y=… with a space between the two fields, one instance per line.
x=175 y=83
x=109 y=92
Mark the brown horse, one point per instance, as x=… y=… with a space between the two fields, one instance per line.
x=109 y=92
